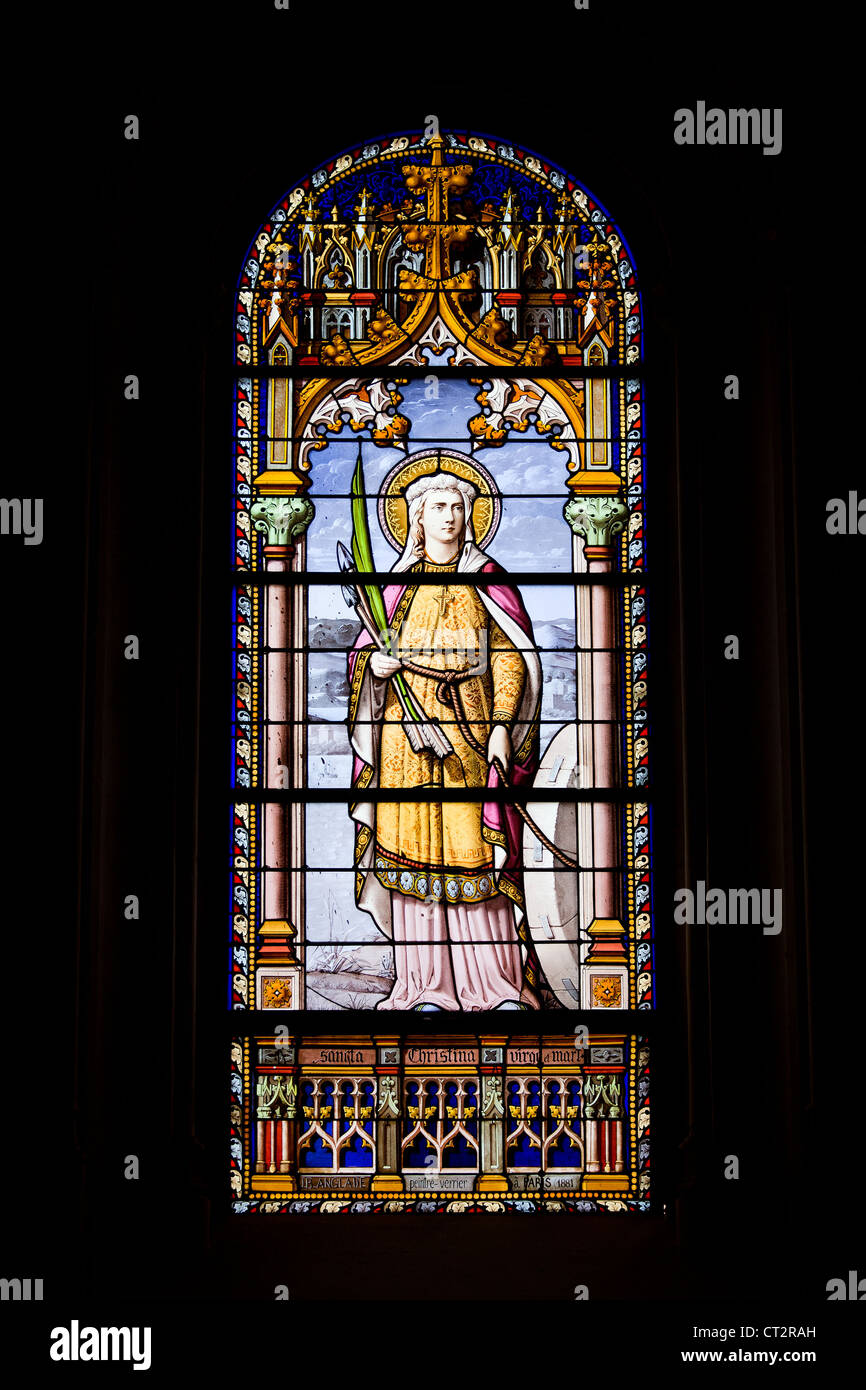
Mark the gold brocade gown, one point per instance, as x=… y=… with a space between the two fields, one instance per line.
x=428 y=847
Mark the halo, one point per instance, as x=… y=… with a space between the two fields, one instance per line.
x=394 y=514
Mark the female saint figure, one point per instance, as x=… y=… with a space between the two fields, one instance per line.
x=443 y=879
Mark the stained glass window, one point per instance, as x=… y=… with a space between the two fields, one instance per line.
x=440 y=900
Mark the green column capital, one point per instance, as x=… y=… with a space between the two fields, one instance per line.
x=597 y=518
x=282 y=519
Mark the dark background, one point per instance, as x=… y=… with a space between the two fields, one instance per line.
x=117 y=1029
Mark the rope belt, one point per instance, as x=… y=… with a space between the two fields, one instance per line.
x=448 y=694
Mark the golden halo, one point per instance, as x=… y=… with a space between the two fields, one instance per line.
x=394 y=514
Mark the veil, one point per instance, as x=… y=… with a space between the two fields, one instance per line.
x=440 y=481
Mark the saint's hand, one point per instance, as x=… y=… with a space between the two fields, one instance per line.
x=499 y=746
x=383 y=666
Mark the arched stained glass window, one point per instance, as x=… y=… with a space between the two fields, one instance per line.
x=440 y=900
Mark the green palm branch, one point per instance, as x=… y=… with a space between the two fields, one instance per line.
x=362 y=554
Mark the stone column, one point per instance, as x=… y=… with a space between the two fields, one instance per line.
x=492 y=1178
x=598 y=518
x=619 y=1165
x=289 y=1124
x=561 y=300
x=509 y=302
x=284 y=1146
x=603 y=1093
x=615 y=1090
x=263 y=1098
x=271 y=1145
x=591 y=1146
x=388 y=1177
x=276 y=1124
x=282 y=519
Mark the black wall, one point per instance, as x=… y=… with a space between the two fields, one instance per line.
x=120 y=786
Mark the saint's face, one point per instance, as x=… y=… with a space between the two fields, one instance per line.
x=444 y=515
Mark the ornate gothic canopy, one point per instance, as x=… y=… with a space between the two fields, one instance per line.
x=448 y=252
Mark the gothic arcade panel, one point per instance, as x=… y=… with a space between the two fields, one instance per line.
x=374 y=1123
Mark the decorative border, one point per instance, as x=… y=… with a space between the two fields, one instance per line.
x=242 y=907
x=246 y=674
x=332 y=1205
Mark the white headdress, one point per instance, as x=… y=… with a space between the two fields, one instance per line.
x=440 y=481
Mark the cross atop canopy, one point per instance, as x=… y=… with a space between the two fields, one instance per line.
x=436 y=234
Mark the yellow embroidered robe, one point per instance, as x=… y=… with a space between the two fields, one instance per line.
x=434 y=847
